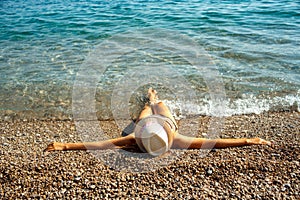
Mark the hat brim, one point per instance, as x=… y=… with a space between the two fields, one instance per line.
x=153 y=143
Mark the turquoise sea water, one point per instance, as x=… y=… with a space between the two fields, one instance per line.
x=255 y=46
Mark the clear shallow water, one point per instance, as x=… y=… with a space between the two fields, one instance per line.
x=254 y=45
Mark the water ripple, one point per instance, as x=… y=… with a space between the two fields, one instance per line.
x=255 y=44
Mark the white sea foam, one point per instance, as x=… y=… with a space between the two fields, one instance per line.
x=246 y=105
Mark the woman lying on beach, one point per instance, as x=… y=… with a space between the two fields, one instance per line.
x=156 y=131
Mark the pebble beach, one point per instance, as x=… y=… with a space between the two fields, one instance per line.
x=66 y=61
x=252 y=172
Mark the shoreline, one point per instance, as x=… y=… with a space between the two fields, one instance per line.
x=237 y=173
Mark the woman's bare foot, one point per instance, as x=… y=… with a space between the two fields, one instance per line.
x=152 y=95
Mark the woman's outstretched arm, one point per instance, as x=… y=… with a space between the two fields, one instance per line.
x=106 y=144
x=186 y=142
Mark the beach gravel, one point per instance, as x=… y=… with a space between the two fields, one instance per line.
x=252 y=172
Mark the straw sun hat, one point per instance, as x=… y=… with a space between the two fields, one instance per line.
x=151 y=135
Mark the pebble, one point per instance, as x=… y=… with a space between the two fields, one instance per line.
x=209 y=171
x=5 y=144
x=256 y=172
x=92 y=186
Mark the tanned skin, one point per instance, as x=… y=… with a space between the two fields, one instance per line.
x=178 y=141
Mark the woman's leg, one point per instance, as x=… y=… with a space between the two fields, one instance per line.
x=159 y=108
x=147 y=111
x=107 y=144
